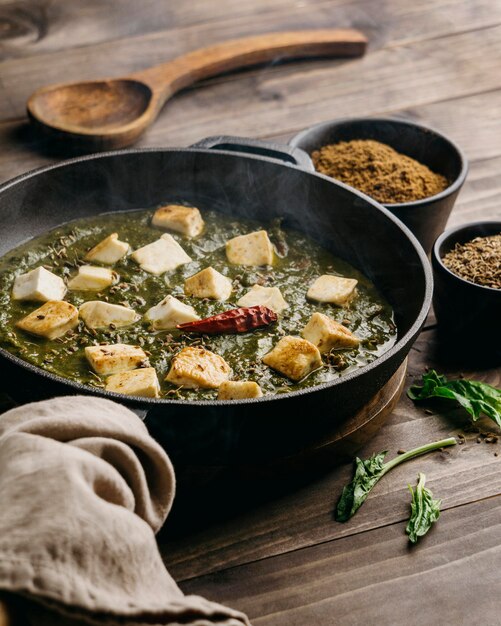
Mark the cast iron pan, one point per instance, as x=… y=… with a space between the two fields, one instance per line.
x=218 y=175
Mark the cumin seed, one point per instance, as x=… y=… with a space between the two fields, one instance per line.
x=477 y=261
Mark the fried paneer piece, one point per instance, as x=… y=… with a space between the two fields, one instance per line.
x=142 y=382
x=208 y=283
x=294 y=357
x=113 y=358
x=170 y=312
x=327 y=334
x=333 y=289
x=239 y=390
x=195 y=367
x=52 y=320
x=270 y=297
x=38 y=285
x=97 y=314
x=108 y=251
x=162 y=255
x=181 y=219
x=252 y=249
x=91 y=278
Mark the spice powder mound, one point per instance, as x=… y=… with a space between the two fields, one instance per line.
x=378 y=170
x=478 y=261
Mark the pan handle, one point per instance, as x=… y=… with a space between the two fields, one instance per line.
x=270 y=149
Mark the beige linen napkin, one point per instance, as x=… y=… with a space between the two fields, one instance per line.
x=83 y=490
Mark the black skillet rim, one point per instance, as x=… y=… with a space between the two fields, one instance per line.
x=138 y=400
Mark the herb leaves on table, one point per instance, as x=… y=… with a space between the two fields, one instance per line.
x=367 y=474
x=476 y=397
x=424 y=510
x=370 y=471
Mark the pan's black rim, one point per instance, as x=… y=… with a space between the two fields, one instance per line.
x=137 y=400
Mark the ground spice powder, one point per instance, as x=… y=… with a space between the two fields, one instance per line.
x=378 y=170
x=478 y=261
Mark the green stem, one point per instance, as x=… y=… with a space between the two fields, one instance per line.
x=429 y=447
x=421 y=480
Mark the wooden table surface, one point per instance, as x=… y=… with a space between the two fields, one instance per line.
x=272 y=548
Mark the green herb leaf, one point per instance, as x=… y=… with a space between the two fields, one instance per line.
x=424 y=510
x=476 y=397
x=367 y=473
x=370 y=471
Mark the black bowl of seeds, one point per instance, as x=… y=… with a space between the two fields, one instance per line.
x=414 y=171
x=467 y=294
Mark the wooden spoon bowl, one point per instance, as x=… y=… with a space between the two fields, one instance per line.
x=114 y=113
x=92 y=106
x=109 y=113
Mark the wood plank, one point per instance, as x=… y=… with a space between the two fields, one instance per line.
x=33 y=27
x=428 y=66
x=213 y=531
x=451 y=577
x=480 y=198
x=472 y=122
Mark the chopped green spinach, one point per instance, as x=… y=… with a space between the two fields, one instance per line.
x=424 y=510
x=299 y=262
x=370 y=471
x=476 y=397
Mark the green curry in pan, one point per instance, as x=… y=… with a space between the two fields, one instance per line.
x=99 y=301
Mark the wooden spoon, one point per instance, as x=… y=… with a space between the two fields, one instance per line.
x=113 y=113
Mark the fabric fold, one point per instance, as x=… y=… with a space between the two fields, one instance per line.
x=83 y=490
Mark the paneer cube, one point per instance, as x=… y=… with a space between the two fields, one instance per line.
x=182 y=219
x=38 y=285
x=163 y=255
x=239 y=390
x=108 y=251
x=114 y=358
x=98 y=314
x=52 y=320
x=170 y=312
x=208 y=283
x=327 y=334
x=90 y=278
x=294 y=357
x=334 y=289
x=270 y=297
x=252 y=249
x=195 y=367
x=142 y=382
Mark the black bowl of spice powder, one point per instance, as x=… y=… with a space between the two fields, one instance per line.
x=467 y=294
x=414 y=171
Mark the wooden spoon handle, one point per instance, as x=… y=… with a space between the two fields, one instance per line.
x=167 y=79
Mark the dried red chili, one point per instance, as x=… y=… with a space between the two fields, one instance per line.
x=234 y=321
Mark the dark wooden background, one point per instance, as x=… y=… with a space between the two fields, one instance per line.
x=272 y=548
